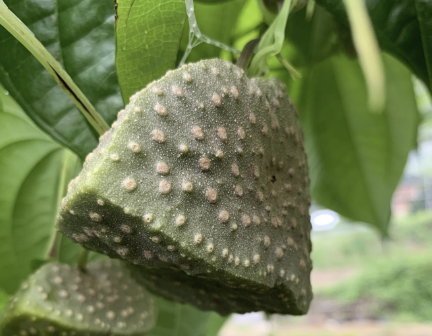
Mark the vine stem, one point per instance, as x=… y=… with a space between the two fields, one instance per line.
x=271 y=42
x=24 y=35
x=290 y=68
x=82 y=260
x=195 y=35
x=369 y=53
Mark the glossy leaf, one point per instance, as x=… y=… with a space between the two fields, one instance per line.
x=175 y=319
x=249 y=18
x=79 y=34
x=356 y=157
x=397 y=28
x=26 y=37
x=309 y=41
x=148 y=34
x=30 y=165
x=424 y=14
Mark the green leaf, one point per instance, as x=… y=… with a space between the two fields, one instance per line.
x=175 y=319
x=68 y=251
x=212 y=1
x=218 y=22
x=424 y=14
x=309 y=41
x=79 y=34
x=368 y=52
x=148 y=34
x=397 y=29
x=248 y=19
x=30 y=165
x=25 y=36
x=214 y=324
x=356 y=158
x=4 y=299
x=271 y=42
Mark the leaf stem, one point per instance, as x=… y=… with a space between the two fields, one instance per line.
x=24 y=35
x=271 y=42
x=196 y=37
x=289 y=67
x=369 y=53
x=82 y=260
x=310 y=9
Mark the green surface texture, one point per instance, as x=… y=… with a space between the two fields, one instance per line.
x=204 y=177
x=60 y=300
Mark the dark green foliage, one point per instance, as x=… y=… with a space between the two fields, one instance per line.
x=203 y=175
x=157 y=25
x=400 y=29
x=424 y=16
x=60 y=300
x=80 y=35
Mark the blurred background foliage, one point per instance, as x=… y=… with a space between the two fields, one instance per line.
x=372 y=168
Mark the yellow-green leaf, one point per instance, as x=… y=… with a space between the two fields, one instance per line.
x=148 y=34
x=30 y=165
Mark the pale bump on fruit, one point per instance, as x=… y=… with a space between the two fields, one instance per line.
x=71 y=302
x=213 y=173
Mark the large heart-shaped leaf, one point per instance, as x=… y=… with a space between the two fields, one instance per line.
x=148 y=34
x=357 y=157
x=424 y=14
x=80 y=35
x=30 y=165
x=308 y=41
x=397 y=28
x=175 y=319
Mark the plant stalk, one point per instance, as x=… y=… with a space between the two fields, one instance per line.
x=82 y=260
x=369 y=53
x=291 y=70
x=24 y=35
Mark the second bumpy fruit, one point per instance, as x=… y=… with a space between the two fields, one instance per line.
x=202 y=185
x=60 y=300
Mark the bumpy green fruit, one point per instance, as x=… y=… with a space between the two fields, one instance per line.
x=60 y=300
x=202 y=182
